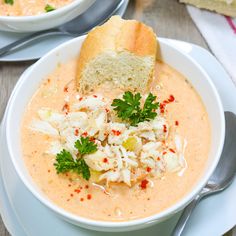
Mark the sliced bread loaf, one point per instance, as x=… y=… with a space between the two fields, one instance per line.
x=120 y=51
x=225 y=7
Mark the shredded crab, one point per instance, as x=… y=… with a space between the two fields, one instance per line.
x=125 y=153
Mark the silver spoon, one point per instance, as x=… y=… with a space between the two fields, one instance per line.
x=221 y=178
x=72 y=28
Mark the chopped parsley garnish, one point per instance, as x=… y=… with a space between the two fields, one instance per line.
x=65 y=161
x=11 y=2
x=49 y=8
x=129 y=108
x=85 y=146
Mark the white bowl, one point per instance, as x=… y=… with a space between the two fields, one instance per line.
x=46 y=20
x=27 y=86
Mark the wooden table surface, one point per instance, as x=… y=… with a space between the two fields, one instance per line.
x=168 y=18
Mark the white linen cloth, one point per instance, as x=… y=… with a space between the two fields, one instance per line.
x=220 y=34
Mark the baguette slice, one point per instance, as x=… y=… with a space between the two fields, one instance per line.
x=122 y=52
x=225 y=7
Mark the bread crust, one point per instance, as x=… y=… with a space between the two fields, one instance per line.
x=117 y=35
x=222 y=7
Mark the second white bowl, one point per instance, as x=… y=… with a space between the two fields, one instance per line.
x=44 y=21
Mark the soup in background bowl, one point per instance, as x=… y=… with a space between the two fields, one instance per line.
x=30 y=16
x=193 y=107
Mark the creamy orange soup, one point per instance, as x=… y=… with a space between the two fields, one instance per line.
x=186 y=116
x=29 y=7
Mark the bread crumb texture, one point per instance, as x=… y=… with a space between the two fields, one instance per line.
x=122 y=52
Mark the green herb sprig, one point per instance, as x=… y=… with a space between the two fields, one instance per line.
x=49 y=8
x=129 y=108
x=66 y=163
x=10 y=2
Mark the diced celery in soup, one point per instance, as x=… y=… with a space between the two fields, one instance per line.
x=104 y=157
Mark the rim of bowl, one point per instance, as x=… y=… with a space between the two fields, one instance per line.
x=44 y=15
x=111 y=224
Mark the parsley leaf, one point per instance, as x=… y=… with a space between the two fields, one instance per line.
x=47 y=8
x=129 y=108
x=65 y=161
x=85 y=146
x=11 y=2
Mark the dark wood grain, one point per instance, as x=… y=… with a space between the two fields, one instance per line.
x=168 y=18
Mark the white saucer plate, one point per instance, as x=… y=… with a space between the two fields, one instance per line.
x=40 y=47
x=25 y=215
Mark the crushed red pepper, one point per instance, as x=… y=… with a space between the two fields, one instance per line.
x=164 y=128
x=89 y=196
x=77 y=190
x=172 y=150
x=85 y=134
x=171 y=98
x=116 y=132
x=76 y=132
x=66 y=108
x=144 y=184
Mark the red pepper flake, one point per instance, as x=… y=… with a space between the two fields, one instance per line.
x=164 y=153
x=81 y=187
x=149 y=169
x=171 y=98
x=77 y=190
x=158 y=158
x=49 y=171
x=49 y=80
x=172 y=150
x=76 y=132
x=67 y=175
x=81 y=199
x=144 y=184
x=66 y=108
x=166 y=102
x=95 y=96
x=176 y=123
x=116 y=132
x=92 y=139
x=86 y=186
x=164 y=128
x=89 y=196
x=85 y=134
x=107 y=110
x=162 y=108
x=69 y=185
x=66 y=89
x=80 y=99
x=105 y=160
x=72 y=195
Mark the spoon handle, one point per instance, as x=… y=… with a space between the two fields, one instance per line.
x=179 y=228
x=27 y=39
